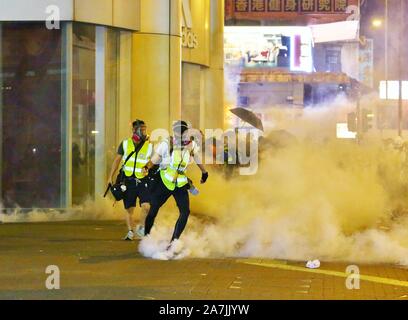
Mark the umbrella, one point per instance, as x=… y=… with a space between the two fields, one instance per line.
x=249 y=117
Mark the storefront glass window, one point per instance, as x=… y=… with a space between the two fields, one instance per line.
x=83 y=112
x=31 y=105
x=62 y=93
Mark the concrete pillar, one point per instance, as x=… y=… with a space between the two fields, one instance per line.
x=156 y=64
x=213 y=114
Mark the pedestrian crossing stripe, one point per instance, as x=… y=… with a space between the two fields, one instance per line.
x=283 y=266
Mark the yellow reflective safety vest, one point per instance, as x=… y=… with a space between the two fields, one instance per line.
x=143 y=157
x=175 y=173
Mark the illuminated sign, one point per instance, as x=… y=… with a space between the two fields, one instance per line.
x=342 y=132
x=304 y=12
x=269 y=47
x=392 y=92
x=189 y=38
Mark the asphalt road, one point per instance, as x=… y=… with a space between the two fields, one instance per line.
x=95 y=264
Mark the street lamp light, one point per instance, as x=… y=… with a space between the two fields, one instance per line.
x=377 y=23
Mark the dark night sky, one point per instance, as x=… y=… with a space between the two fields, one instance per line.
x=376 y=9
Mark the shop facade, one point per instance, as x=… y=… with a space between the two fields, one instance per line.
x=290 y=54
x=73 y=76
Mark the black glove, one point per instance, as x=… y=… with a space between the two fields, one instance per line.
x=204 y=177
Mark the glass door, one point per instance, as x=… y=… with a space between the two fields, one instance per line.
x=31 y=106
x=83 y=112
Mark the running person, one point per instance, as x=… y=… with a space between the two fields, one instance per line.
x=136 y=181
x=174 y=159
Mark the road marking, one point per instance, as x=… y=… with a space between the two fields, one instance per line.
x=283 y=266
x=234 y=287
x=147 y=298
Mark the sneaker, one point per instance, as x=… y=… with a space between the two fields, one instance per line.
x=140 y=231
x=164 y=255
x=183 y=254
x=175 y=247
x=130 y=236
x=315 y=264
x=172 y=251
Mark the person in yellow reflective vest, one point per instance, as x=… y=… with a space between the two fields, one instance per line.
x=174 y=158
x=136 y=181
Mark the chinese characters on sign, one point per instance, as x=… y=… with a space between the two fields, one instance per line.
x=274 y=5
x=258 y=5
x=289 y=6
x=241 y=5
x=324 y=6
x=340 y=5
x=288 y=12
x=307 y=6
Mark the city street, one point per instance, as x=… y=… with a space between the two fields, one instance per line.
x=95 y=264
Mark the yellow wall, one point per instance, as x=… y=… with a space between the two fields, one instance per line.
x=118 y=13
x=156 y=67
x=126 y=14
x=158 y=55
x=200 y=11
x=155 y=79
x=209 y=55
x=214 y=75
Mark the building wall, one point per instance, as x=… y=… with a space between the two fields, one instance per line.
x=156 y=64
x=157 y=49
x=116 y=13
x=119 y=60
x=160 y=95
x=265 y=95
x=34 y=10
x=200 y=14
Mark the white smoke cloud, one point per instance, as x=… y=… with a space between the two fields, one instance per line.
x=316 y=199
x=101 y=209
x=324 y=199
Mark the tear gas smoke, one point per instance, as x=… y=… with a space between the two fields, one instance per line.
x=100 y=209
x=313 y=198
x=322 y=199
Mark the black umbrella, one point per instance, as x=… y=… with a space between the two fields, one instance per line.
x=249 y=117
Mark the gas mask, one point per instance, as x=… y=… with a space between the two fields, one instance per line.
x=180 y=129
x=138 y=135
x=181 y=141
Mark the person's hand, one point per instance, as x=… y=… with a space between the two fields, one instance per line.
x=204 y=177
x=110 y=181
x=145 y=171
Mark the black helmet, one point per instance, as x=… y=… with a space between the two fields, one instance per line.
x=179 y=127
x=137 y=130
x=138 y=123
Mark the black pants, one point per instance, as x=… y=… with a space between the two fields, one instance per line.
x=159 y=197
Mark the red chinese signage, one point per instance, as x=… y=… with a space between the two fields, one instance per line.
x=299 y=12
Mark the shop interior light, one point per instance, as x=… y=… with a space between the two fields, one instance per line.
x=393 y=90
x=306 y=58
x=343 y=132
x=244 y=38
